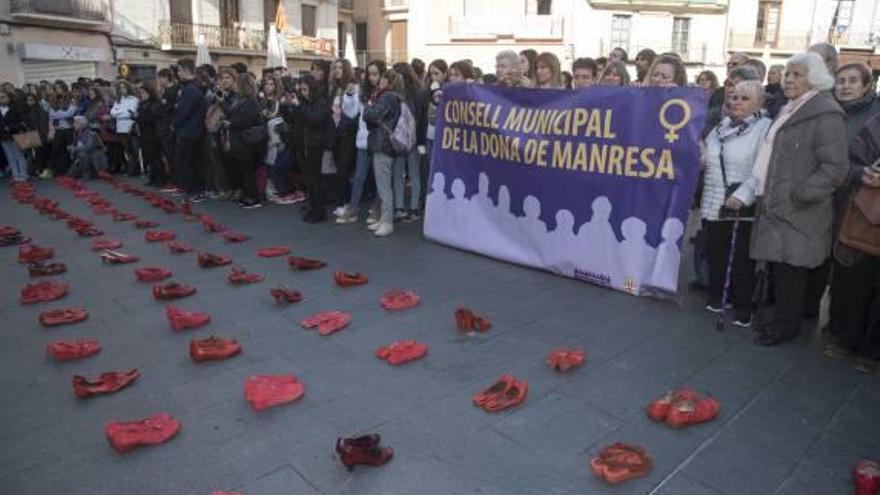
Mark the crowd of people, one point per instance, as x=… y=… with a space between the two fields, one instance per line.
x=785 y=149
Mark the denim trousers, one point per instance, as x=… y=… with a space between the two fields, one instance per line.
x=361 y=170
x=382 y=167
x=410 y=165
x=15 y=159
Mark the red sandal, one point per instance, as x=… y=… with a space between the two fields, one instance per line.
x=286 y=295
x=208 y=260
x=402 y=351
x=621 y=462
x=38 y=269
x=272 y=252
x=563 y=360
x=183 y=320
x=159 y=235
x=180 y=247
x=29 y=253
x=43 y=292
x=106 y=244
x=117 y=258
x=397 y=299
x=234 y=237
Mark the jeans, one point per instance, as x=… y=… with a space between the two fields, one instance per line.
x=382 y=167
x=361 y=170
x=411 y=165
x=280 y=172
x=15 y=160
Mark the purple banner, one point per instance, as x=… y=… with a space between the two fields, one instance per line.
x=594 y=184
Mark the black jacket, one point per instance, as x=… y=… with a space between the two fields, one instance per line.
x=10 y=124
x=37 y=119
x=381 y=118
x=242 y=114
x=417 y=100
x=311 y=121
x=150 y=116
x=189 y=111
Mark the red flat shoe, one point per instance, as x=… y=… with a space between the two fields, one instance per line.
x=213 y=349
x=234 y=237
x=512 y=397
x=684 y=413
x=106 y=244
x=172 y=290
x=866 y=475
x=272 y=252
x=84 y=193
x=77 y=222
x=501 y=386
x=39 y=269
x=208 y=260
x=159 y=235
x=30 y=252
x=621 y=462
x=88 y=231
x=402 y=351
x=9 y=230
x=145 y=224
x=210 y=225
x=239 y=277
x=374 y=456
x=152 y=274
x=327 y=322
x=344 y=279
x=362 y=442
x=14 y=240
x=107 y=383
x=305 y=263
x=397 y=299
x=183 y=320
x=265 y=391
x=117 y=258
x=118 y=216
x=563 y=360
x=284 y=295
x=56 y=317
x=103 y=209
x=68 y=350
x=180 y=247
x=43 y=291
x=126 y=436
x=659 y=408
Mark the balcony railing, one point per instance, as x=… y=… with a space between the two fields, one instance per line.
x=786 y=41
x=177 y=35
x=65 y=10
x=533 y=27
x=856 y=39
x=710 y=6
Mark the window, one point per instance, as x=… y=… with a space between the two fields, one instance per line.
x=767 y=28
x=681 y=27
x=309 y=12
x=544 y=7
x=620 y=31
x=844 y=13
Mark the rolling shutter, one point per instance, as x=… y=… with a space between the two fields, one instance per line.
x=50 y=70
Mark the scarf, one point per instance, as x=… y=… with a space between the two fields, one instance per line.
x=729 y=128
x=762 y=161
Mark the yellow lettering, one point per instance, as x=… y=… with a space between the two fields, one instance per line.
x=609 y=134
x=615 y=160
x=648 y=163
x=598 y=157
x=514 y=150
x=559 y=131
x=664 y=167
x=495 y=117
x=447 y=138
x=531 y=151
x=561 y=155
x=580 y=158
x=514 y=120
x=542 y=152
x=594 y=125
x=631 y=160
x=580 y=119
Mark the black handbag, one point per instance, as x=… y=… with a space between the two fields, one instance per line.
x=729 y=189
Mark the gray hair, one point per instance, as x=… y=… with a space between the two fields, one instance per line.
x=744 y=73
x=759 y=67
x=817 y=73
x=828 y=54
x=509 y=56
x=753 y=88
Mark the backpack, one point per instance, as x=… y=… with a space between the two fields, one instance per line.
x=403 y=137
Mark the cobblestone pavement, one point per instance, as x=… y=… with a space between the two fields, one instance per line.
x=792 y=421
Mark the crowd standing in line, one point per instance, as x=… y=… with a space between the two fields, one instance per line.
x=785 y=150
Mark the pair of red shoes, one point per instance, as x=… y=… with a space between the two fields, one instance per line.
x=265 y=391
x=468 y=321
x=210 y=225
x=39 y=269
x=29 y=253
x=152 y=274
x=866 y=475
x=285 y=295
x=117 y=258
x=208 y=260
x=305 y=263
x=107 y=383
x=145 y=224
x=620 y=462
x=213 y=349
x=128 y=435
x=159 y=235
x=363 y=451
x=563 y=360
x=327 y=322
x=344 y=279
x=506 y=392
x=240 y=277
x=183 y=320
x=56 y=317
x=397 y=299
x=272 y=252
x=234 y=237
x=682 y=408
x=68 y=350
x=180 y=247
x=172 y=290
x=106 y=244
x=43 y=292
x=402 y=351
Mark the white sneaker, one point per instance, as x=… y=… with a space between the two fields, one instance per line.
x=348 y=217
x=339 y=211
x=374 y=225
x=385 y=229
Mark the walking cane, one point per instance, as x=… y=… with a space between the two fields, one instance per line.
x=725 y=293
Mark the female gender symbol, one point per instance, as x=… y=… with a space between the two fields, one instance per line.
x=672 y=134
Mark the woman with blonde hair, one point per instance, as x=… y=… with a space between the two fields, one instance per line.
x=614 y=74
x=667 y=71
x=547 y=71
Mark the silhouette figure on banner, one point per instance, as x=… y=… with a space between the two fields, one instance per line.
x=591 y=251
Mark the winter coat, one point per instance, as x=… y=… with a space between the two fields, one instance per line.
x=189 y=112
x=417 y=101
x=858 y=112
x=37 y=119
x=774 y=99
x=310 y=120
x=793 y=222
x=10 y=123
x=242 y=114
x=149 y=119
x=864 y=149
x=124 y=111
x=168 y=102
x=381 y=118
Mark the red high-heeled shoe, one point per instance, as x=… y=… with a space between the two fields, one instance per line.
x=234 y=237
x=48 y=290
x=239 y=277
x=272 y=252
x=208 y=260
x=126 y=436
x=213 y=349
x=117 y=258
x=29 y=253
x=397 y=299
x=563 y=360
x=172 y=290
x=56 y=317
x=305 y=263
x=373 y=456
x=265 y=391
x=362 y=442
x=152 y=274
x=866 y=475
x=621 y=462
x=327 y=322
x=344 y=279
x=39 y=269
x=68 y=350
x=183 y=320
x=659 y=408
x=106 y=244
x=159 y=235
x=107 y=383
x=8 y=230
x=180 y=247
x=286 y=295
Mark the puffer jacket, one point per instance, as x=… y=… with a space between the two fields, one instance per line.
x=381 y=118
x=124 y=111
x=310 y=122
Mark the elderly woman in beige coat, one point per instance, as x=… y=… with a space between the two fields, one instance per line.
x=800 y=164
